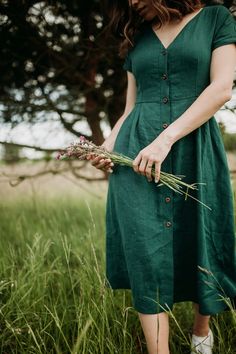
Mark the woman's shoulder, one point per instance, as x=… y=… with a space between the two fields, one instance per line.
x=218 y=10
x=224 y=26
x=219 y=16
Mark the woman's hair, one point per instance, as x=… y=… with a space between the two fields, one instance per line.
x=124 y=22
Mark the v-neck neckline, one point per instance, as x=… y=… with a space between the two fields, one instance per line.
x=178 y=34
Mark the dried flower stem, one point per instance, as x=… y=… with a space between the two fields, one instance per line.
x=80 y=150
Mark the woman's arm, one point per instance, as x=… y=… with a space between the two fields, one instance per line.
x=203 y=108
x=106 y=164
x=130 y=102
x=219 y=91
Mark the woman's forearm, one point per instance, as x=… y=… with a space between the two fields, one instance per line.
x=202 y=109
x=115 y=130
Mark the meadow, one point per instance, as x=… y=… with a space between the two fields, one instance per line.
x=53 y=297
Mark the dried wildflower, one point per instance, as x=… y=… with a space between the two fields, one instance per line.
x=84 y=147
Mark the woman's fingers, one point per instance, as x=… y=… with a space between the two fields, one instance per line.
x=90 y=156
x=157 y=171
x=136 y=163
x=139 y=164
x=145 y=167
x=95 y=160
x=149 y=170
x=142 y=167
x=101 y=162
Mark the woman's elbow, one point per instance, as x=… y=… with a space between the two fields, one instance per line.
x=224 y=92
x=227 y=95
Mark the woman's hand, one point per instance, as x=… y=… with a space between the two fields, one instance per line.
x=153 y=154
x=99 y=161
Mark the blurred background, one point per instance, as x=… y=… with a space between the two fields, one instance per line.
x=59 y=79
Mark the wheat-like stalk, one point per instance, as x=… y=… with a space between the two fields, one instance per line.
x=81 y=149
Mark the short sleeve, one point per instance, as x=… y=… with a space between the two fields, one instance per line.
x=225 y=30
x=127 y=62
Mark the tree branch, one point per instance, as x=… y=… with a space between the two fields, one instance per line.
x=15 y=180
x=38 y=148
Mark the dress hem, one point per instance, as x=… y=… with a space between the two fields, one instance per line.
x=222 y=307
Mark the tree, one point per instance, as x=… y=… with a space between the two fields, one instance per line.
x=57 y=64
x=54 y=61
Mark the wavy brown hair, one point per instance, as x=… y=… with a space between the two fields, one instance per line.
x=125 y=22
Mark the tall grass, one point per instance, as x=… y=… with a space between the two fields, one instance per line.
x=52 y=286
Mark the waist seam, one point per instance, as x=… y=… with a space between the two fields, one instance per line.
x=160 y=100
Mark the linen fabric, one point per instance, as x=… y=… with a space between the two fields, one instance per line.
x=164 y=248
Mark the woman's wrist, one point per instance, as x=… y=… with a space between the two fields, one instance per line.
x=167 y=139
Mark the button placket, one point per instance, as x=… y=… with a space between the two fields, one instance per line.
x=165 y=113
x=165 y=87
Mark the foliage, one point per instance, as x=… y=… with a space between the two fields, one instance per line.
x=57 y=64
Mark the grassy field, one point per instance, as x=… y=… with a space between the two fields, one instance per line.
x=52 y=284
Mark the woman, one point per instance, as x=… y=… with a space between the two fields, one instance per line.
x=180 y=62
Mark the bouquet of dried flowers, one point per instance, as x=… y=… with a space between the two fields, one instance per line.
x=81 y=149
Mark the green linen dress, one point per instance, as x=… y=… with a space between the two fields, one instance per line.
x=164 y=248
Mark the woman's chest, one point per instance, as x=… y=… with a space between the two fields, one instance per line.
x=188 y=54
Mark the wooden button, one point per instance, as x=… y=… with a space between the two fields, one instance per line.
x=168 y=223
x=164 y=77
x=165 y=125
x=167 y=199
x=165 y=99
